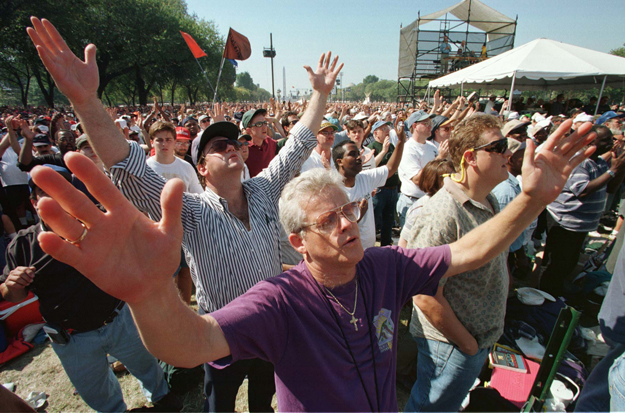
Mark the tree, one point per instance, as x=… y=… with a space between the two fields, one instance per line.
x=138 y=43
x=245 y=81
x=620 y=51
x=370 y=79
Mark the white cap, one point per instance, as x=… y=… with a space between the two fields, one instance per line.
x=361 y=116
x=582 y=117
x=537 y=117
x=542 y=124
x=513 y=115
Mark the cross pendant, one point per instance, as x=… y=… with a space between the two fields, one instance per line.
x=354 y=321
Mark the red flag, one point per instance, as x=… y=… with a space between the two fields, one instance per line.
x=195 y=49
x=237 y=46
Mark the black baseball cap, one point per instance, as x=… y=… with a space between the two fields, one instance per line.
x=218 y=129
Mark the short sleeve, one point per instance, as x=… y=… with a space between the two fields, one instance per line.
x=255 y=324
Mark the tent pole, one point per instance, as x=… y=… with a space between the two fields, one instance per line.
x=511 y=91
x=600 y=94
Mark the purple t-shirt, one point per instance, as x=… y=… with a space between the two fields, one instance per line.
x=286 y=320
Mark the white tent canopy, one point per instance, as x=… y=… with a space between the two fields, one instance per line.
x=479 y=15
x=541 y=64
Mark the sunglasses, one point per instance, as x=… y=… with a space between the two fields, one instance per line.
x=328 y=221
x=293 y=122
x=221 y=146
x=244 y=143
x=259 y=124
x=499 y=146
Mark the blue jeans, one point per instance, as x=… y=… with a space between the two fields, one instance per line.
x=403 y=204
x=444 y=376
x=84 y=361
x=384 y=203
x=616 y=380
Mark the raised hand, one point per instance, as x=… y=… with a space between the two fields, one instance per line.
x=322 y=80
x=26 y=132
x=387 y=144
x=216 y=114
x=76 y=79
x=545 y=173
x=124 y=253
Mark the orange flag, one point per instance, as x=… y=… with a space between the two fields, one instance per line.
x=195 y=49
x=237 y=46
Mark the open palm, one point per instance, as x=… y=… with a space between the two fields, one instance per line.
x=77 y=80
x=124 y=253
x=545 y=173
x=322 y=79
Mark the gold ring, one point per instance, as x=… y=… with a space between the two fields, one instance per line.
x=82 y=236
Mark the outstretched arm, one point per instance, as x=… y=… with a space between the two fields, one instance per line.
x=79 y=81
x=140 y=272
x=544 y=176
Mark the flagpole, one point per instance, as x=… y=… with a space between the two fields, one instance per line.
x=223 y=59
x=202 y=69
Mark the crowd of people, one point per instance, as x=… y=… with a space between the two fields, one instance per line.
x=271 y=212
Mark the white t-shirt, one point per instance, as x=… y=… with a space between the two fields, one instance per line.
x=416 y=155
x=10 y=174
x=314 y=161
x=366 y=182
x=177 y=169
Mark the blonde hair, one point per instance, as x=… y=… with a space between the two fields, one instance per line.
x=468 y=134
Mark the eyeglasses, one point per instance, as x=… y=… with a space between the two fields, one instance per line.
x=328 y=221
x=446 y=128
x=183 y=143
x=221 y=146
x=259 y=124
x=499 y=146
x=329 y=132
x=244 y=143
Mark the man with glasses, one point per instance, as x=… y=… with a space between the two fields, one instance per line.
x=288 y=120
x=183 y=143
x=516 y=130
x=204 y=121
x=229 y=218
x=417 y=153
x=321 y=156
x=65 y=142
x=466 y=316
x=244 y=142
x=262 y=148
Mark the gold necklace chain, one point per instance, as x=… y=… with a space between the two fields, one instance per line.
x=353 y=319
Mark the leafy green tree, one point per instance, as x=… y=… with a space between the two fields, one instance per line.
x=620 y=51
x=370 y=79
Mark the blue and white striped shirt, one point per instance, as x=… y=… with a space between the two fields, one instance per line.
x=576 y=213
x=224 y=257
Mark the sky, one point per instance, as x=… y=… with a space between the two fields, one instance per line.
x=365 y=34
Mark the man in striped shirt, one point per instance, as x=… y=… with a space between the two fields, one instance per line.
x=577 y=210
x=230 y=219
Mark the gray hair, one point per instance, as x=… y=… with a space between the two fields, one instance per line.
x=311 y=184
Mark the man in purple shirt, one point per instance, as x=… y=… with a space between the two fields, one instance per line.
x=328 y=325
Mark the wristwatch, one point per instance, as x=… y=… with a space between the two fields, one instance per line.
x=611 y=173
